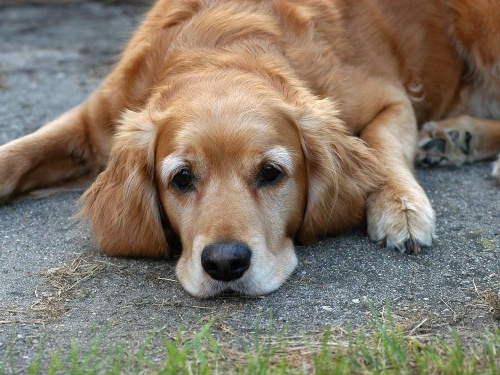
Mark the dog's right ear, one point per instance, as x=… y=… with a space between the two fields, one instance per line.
x=341 y=172
x=121 y=205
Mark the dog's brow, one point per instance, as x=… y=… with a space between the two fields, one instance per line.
x=280 y=156
x=169 y=165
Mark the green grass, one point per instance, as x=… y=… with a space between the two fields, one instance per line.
x=381 y=349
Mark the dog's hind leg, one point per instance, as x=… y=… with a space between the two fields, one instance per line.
x=459 y=140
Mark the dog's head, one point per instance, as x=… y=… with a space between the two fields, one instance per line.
x=240 y=173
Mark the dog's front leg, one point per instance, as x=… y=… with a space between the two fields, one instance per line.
x=69 y=147
x=399 y=214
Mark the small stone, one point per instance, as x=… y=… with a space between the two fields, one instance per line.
x=355 y=300
x=327 y=308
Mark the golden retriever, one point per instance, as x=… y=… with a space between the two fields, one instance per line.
x=231 y=129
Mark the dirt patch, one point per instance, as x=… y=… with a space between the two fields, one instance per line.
x=491 y=298
x=64 y=284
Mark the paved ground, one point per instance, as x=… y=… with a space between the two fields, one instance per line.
x=55 y=284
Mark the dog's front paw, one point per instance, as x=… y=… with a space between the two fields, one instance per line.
x=401 y=218
x=442 y=144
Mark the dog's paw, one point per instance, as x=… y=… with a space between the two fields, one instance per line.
x=401 y=219
x=444 y=145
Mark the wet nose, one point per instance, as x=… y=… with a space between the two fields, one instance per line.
x=226 y=261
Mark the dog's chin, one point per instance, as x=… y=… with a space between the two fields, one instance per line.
x=255 y=282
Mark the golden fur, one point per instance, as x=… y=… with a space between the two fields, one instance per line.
x=326 y=93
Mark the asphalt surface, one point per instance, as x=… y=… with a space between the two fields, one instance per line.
x=51 y=58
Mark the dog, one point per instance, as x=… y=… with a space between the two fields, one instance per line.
x=229 y=130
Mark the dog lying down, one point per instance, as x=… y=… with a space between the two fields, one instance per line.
x=234 y=128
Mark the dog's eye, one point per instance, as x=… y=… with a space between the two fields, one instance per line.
x=268 y=175
x=183 y=180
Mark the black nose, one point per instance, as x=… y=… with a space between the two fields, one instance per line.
x=226 y=261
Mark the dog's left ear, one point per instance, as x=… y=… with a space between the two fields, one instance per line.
x=341 y=171
x=122 y=204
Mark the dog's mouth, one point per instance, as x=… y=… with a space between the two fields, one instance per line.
x=251 y=284
x=242 y=287
x=233 y=268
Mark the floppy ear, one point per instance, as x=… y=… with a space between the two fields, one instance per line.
x=341 y=171
x=121 y=205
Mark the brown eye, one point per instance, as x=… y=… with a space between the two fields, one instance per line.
x=183 y=180
x=268 y=175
